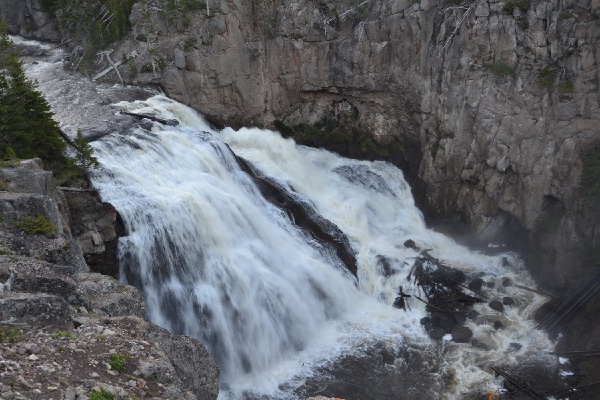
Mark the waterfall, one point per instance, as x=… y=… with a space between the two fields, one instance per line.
x=274 y=304
x=216 y=261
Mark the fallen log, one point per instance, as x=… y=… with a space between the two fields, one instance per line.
x=168 y=122
x=440 y=308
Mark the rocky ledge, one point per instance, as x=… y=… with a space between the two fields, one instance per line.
x=66 y=332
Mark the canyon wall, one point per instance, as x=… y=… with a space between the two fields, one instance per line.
x=494 y=103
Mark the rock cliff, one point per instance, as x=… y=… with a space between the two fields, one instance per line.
x=500 y=97
x=494 y=103
x=67 y=332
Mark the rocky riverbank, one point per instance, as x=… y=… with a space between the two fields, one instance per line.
x=66 y=332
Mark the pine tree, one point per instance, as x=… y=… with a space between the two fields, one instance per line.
x=26 y=123
x=84 y=159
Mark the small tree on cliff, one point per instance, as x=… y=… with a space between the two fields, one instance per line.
x=84 y=159
x=26 y=124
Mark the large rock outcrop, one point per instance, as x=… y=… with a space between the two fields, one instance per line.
x=495 y=102
x=68 y=332
x=501 y=96
x=29 y=19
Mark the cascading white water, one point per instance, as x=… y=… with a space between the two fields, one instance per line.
x=216 y=261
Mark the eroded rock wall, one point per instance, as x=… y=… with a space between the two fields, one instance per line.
x=495 y=102
x=502 y=100
x=29 y=19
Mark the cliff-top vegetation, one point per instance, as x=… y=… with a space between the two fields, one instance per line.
x=27 y=128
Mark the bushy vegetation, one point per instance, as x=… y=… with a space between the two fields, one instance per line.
x=547 y=77
x=62 y=335
x=510 y=5
x=84 y=159
x=566 y=87
x=333 y=134
x=4 y=187
x=101 y=395
x=9 y=335
x=500 y=70
x=27 y=129
x=93 y=23
x=117 y=362
x=37 y=225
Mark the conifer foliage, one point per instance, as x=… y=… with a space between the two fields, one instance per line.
x=26 y=123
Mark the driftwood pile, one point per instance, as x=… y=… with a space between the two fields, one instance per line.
x=449 y=301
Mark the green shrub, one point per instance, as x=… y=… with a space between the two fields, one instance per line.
x=500 y=70
x=566 y=87
x=101 y=395
x=4 y=187
x=522 y=5
x=547 y=77
x=38 y=225
x=189 y=43
x=98 y=22
x=62 y=335
x=10 y=159
x=9 y=335
x=84 y=159
x=117 y=361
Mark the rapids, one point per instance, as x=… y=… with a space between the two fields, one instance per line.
x=276 y=309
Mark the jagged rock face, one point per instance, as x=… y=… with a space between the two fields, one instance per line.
x=501 y=101
x=503 y=106
x=47 y=291
x=97 y=227
x=28 y=19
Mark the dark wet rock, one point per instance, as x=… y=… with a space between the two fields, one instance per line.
x=515 y=346
x=490 y=284
x=97 y=227
x=479 y=344
x=476 y=284
x=188 y=358
x=437 y=333
x=387 y=356
x=460 y=318
x=366 y=377
x=425 y=321
x=461 y=334
x=496 y=305
x=384 y=265
x=410 y=244
x=303 y=214
x=473 y=314
x=444 y=320
x=498 y=325
x=505 y=262
x=506 y=282
x=508 y=301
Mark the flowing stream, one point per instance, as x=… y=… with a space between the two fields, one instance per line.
x=276 y=308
